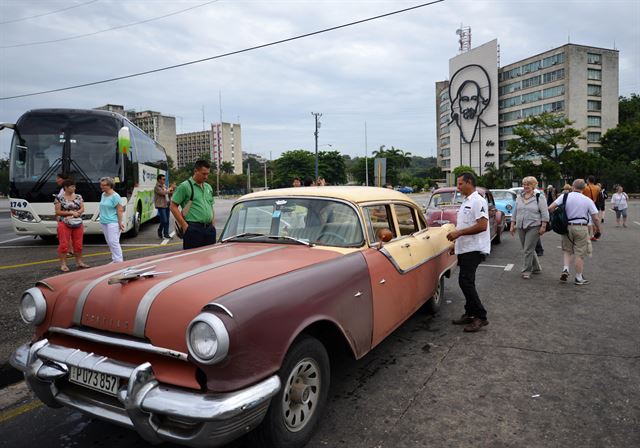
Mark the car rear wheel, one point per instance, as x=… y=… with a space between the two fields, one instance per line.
x=435 y=302
x=498 y=237
x=296 y=409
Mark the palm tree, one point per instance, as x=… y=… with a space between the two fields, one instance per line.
x=227 y=167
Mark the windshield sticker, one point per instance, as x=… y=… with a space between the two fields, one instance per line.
x=276 y=214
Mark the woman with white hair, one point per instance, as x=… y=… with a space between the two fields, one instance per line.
x=111 y=218
x=530 y=217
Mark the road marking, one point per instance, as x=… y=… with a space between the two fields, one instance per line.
x=495 y=266
x=508 y=267
x=636 y=222
x=8 y=415
x=15 y=239
x=84 y=245
x=34 y=263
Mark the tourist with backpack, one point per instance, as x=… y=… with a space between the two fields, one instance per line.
x=576 y=212
x=530 y=217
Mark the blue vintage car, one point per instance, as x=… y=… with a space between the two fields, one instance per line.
x=405 y=189
x=505 y=202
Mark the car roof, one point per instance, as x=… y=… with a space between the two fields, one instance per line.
x=355 y=194
x=481 y=190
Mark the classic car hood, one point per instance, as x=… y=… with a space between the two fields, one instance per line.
x=160 y=307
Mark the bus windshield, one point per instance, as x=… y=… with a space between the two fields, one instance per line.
x=84 y=143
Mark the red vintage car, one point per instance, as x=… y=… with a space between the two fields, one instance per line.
x=444 y=205
x=202 y=346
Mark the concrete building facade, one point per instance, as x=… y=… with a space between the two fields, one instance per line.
x=223 y=143
x=578 y=81
x=161 y=128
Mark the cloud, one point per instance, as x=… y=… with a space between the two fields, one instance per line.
x=382 y=72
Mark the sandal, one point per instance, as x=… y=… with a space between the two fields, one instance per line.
x=64 y=268
x=83 y=266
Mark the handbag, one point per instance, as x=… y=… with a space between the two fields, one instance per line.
x=72 y=223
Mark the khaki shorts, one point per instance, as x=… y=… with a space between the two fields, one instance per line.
x=577 y=241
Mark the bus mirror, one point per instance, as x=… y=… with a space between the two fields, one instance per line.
x=7 y=125
x=124 y=141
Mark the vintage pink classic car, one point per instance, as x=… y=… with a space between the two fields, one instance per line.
x=444 y=205
x=202 y=346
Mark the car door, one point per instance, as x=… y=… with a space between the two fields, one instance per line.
x=492 y=213
x=398 y=287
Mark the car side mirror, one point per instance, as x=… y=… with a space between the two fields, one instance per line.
x=383 y=236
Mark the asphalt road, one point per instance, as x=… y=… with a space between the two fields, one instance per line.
x=559 y=364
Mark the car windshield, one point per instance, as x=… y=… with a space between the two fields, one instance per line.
x=310 y=220
x=503 y=195
x=446 y=198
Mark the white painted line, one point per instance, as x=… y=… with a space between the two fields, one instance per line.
x=636 y=222
x=508 y=267
x=16 y=239
x=494 y=266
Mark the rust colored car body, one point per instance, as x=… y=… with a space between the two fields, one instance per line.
x=199 y=347
x=444 y=205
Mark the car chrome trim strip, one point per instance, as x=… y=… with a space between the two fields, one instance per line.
x=119 y=341
x=404 y=271
x=218 y=305
x=150 y=296
x=77 y=315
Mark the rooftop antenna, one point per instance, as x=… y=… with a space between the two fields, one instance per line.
x=465 y=38
x=203 y=117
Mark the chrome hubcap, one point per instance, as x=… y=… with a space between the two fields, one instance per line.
x=301 y=394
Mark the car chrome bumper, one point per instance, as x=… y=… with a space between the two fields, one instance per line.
x=158 y=412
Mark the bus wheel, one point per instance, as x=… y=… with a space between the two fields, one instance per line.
x=137 y=217
x=49 y=238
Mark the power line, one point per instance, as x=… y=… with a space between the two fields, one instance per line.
x=119 y=27
x=184 y=64
x=47 y=13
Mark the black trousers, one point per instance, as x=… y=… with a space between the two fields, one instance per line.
x=198 y=235
x=467 y=265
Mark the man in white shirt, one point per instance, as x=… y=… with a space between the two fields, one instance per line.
x=472 y=243
x=575 y=243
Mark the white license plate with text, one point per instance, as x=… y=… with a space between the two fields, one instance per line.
x=99 y=381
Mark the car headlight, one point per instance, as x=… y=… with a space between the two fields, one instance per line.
x=509 y=207
x=33 y=306
x=207 y=339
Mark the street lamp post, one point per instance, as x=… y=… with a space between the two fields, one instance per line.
x=317 y=116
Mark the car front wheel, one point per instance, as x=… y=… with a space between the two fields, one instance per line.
x=435 y=302
x=296 y=409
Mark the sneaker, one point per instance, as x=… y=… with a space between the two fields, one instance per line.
x=475 y=325
x=593 y=238
x=537 y=271
x=540 y=254
x=526 y=275
x=564 y=276
x=584 y=281
x=464 y=320
x=167 y=237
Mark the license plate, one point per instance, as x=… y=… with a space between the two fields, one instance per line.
x=103 y=382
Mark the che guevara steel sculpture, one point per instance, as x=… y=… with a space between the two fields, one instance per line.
x=470 y=94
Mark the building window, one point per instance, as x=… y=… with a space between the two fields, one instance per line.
x=594 y=121
x=445 y=152
x=445 y=141
x=593 y=137
x=510 y=116
x=445 y=119
x=556 y=106
x=444 y=106
x=553 y=60
x=531 y=82
x=510 y=102
x=506 y=130
x=594 y=58
x=594 y=105
x=444 y=95
x=531 y=67
x=529 y=111
x=553 y=76
x=510 y=74
x=594 y=74
x=594 y=90
x=446 y=163
x=531 y=97
x=444 y=130
x=553 y=91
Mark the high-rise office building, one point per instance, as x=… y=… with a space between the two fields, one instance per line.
x=223 y=143
x=481 y=103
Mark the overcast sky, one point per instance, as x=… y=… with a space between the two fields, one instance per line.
x=382 y=72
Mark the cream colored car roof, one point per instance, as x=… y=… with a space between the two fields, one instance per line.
x=353 y=194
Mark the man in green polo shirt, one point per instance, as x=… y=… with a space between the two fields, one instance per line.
x=196 y=196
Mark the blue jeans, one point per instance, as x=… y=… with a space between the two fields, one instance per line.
x=163 y=214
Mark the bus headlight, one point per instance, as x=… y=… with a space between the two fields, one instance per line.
x=207 y=339
x=23 y=215
x=33 y=306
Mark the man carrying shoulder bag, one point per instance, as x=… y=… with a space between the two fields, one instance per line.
x=195 y=197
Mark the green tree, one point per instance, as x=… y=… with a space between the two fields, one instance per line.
x=629 y=109
x=546 y=136
x=331 y=166
x=457 y=171
x=298 y=163
x=226 y=167
x=358 y=170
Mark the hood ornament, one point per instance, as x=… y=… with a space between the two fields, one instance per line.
x=131 y=274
